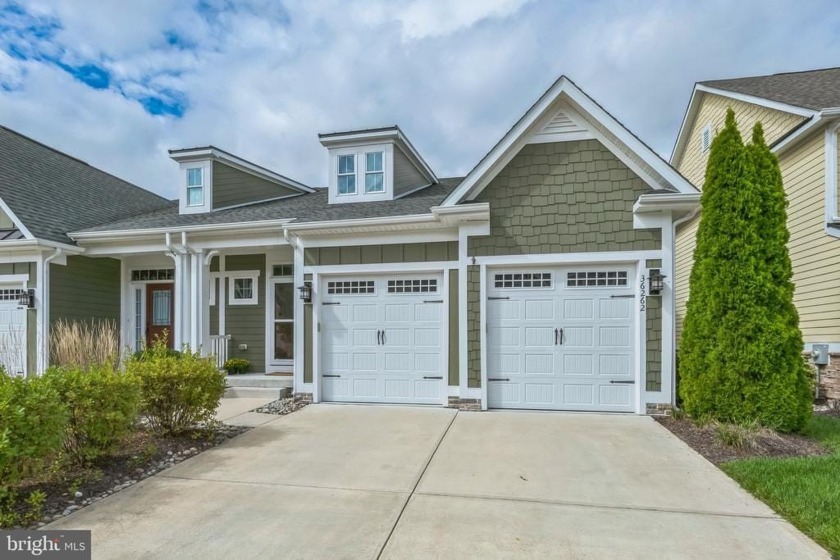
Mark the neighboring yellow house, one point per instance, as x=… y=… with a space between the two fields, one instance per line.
x=800 y=112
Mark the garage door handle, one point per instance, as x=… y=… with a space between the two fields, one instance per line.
x=384 y=340
x=432 y=377
x=331 y=303
x=556 y=335
x=432 y=301
x=498 y=379
x=628 y=296
x=498 y=297
x=330 y=375
x=378 y=338
x=614 y=382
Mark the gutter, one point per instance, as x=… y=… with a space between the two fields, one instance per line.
x=674 y=201
x=133 y=233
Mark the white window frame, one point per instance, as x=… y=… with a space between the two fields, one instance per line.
x=360 y=160
x=380 y=171
x=353 y=174
x=253 y=276
x=705 y=133
x=199 y=186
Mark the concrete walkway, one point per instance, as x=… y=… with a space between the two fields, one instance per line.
x=334 y=481
x=236 y=411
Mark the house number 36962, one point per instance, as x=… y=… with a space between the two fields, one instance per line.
x=642 y=294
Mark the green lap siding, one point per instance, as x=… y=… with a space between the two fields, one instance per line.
x=246 y=323
x=85 y=289
x=381 y=254
x=232 y=187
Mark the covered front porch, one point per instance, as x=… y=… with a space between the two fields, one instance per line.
x=233 y=298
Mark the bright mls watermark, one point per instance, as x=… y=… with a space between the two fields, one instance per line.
x=48 y=545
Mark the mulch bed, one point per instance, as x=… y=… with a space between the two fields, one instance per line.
x=139 y=456
x=703 y=440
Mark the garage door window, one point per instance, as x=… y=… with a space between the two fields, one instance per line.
x=351 y=287
x=591 y=279
x=10 y=295
x=522 y=280
x=413 y=286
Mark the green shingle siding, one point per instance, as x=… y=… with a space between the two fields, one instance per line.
x=232 y=187
x=474 y=326
x=307 y=337
x=246 y=323
x=85 y=289
x=653 y=353
x=567 y=197
x=454 y=354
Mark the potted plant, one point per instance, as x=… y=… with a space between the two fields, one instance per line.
x=237 y=365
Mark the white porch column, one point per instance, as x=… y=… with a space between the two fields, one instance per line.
x=178 y=323
x=197 y=291
x=299 y=330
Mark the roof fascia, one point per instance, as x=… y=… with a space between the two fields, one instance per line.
x=755 y=100
x=238 y=163
x=688 y=117
x=18 y=223
x=477 y=179
x=243 y=227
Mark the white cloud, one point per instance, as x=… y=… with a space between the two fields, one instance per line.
x=262 y=79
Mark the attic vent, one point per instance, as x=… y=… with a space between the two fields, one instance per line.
x=706 y=138
x=559 y=126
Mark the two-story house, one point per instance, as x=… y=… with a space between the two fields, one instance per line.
x=800 y=113
x=541 y=280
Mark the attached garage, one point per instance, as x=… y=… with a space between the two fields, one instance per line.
x=561 y=338
x=13 y=332
x=383 y=339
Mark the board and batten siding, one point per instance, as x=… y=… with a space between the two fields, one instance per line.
x=692 y=162
x=565 y=197
x=406 y=176
x=232 y=187
x=5 y=221
x=85 y=289
x=246 y=323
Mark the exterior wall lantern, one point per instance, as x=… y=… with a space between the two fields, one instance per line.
x=27 y=299
x=306 y=292
x=657 y=282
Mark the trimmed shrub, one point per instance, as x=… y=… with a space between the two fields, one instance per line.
x=102 y=403
x=32 y=426
x=740 y=353
x=179 y=390
x=84 y=344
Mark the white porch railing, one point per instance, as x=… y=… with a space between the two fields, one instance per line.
x=219 y=348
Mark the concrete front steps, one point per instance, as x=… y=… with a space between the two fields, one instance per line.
x=258 y=385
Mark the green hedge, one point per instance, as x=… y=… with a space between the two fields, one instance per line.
x=103 y=405
x=179 y=389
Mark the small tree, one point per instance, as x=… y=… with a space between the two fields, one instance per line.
x=740 y=356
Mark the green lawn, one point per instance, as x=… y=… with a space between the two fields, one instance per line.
x=806 y=491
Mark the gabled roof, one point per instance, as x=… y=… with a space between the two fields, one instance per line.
x=49 y=193
x=627 y=146
x=809 y=89
x=217 y=154
x=389 y=133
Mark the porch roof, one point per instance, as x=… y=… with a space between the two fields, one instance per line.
x=304 y=208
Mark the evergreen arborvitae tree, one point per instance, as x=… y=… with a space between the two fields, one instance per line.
x=740 y=354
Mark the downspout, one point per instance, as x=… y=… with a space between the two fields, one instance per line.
x=43 y=283
x=687 y=218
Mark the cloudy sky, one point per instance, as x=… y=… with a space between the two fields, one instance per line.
x=117 y=83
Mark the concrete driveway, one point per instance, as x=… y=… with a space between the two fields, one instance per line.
x=340 y=481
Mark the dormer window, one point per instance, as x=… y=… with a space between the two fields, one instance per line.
x=195 y=186
x=374 y=173
x=347 y=174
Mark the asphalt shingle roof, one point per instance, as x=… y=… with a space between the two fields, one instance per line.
x=312 y=207
x=53 y=193
x=812 y=89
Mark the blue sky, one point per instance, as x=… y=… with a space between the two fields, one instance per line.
x=119 y=83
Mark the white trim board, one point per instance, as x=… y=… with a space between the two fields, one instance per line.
x=19 y=224
x=510 y=144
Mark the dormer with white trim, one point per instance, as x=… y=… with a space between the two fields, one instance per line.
x=211 y=179
x=374 y=164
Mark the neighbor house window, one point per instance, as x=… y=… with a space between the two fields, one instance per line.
x=347 y=174
x=195 y=186
x=243 y=290
x=374 y=173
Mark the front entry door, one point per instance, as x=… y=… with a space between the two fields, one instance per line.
x=160 y=308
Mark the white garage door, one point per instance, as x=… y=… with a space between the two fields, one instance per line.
x=12 y=333
x=382 y=339
x=561 y=339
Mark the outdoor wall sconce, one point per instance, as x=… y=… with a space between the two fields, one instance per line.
x=306 y=292
x=657 y=282
x=27 y=299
